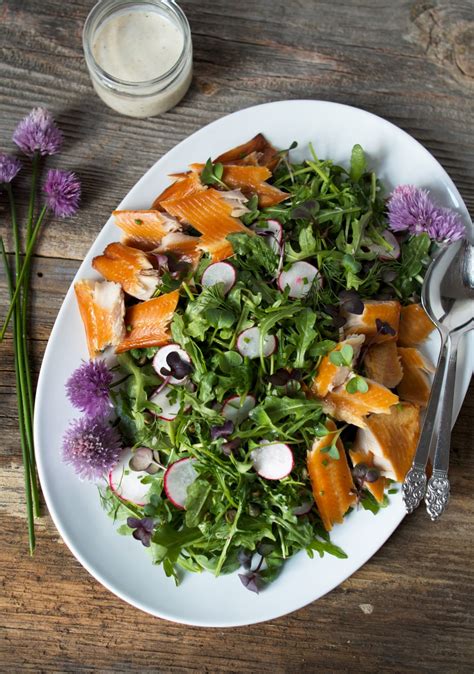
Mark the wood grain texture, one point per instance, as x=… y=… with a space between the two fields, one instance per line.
x=410 y=608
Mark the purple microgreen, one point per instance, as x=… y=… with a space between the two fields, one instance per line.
x=143 y=529
x=251 y=581
x=351 y=302
x=384 y=328
x=372 y=475
x=231 y=446
x=280 y=378
x=177 y=366
x=359 y=471
x=244 y=558
x=223 y=431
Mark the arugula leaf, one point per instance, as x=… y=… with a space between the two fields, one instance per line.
x=198 y=493
x=253 y=253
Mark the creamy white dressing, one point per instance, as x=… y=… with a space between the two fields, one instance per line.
x=137 y=46
x=140 y=59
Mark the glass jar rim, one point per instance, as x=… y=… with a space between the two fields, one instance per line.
x=125 y=85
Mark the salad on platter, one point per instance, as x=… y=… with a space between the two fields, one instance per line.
x=266 y=378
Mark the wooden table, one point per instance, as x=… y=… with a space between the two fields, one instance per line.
x=410 y=608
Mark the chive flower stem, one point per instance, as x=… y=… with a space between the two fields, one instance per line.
x=21 y=275
x=22 y=372
x=23 y=441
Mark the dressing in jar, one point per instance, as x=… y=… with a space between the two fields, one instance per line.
x=139 y=55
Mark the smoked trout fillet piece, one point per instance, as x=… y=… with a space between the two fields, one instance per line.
x=102 y=309
x=382 y=364
x=145 y=229
x=257 y=148
x=354 y=407
x=392 y=439
x=185 y=247
x=249 y=180
x=209 y=213
x=415 y=326
x=387 y=312
x=185 y=184
x=130 y=267
x=415 y=385
x=147 y=322
x=331 y=479
x=330 y=376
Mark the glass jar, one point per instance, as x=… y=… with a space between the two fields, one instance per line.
x=138 y=98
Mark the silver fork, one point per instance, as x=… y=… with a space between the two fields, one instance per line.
x=447 y=295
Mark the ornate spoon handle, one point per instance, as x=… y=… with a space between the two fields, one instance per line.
x=437 y=492
x=414 y=486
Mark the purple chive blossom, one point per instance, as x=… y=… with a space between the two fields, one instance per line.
x=447 y=226
x=63 y=192
x=143 y=529
x=88 y=388
x=411 y=209
x=92 y=446
x=9 y=167
x=37 y=132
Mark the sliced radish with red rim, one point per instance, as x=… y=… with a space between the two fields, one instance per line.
x=163 y=398
x=299 y=278
x=126 y=483
x=168 y=399
x=273 y=461
x=272 y=230
x=236 y=409
x=162 y=367
x=219 y=272
x=178 y=477
x=249 y=343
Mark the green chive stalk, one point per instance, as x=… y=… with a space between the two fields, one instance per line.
x=24 y=267
x=23 y=437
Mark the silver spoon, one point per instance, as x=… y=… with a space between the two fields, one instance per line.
x=447 y=297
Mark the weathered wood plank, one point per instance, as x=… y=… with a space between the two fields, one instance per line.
x=409 y=609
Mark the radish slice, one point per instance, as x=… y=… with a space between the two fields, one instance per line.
x=178 y=477
x=273 y=461
x=273 y=233
x=125 y=483
x=169 y=410
x=159 y=361
x=219 y=272
x=237 y=410
x=382 y=252
x=303 y=509
x=299 y=278
x=248 y=343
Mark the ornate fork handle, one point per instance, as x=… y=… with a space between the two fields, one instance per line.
x=414 y=485
x=437 y=493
